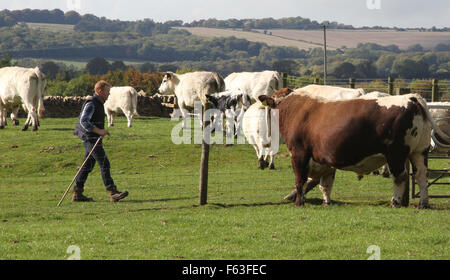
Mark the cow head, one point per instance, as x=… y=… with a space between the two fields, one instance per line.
x=168 y=84
x=267 y=101
x=277 y=97
x=212 y=99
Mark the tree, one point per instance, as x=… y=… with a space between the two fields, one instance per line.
x=415 y=48
x=384 y=64
x=344 y=70
x=72 y=17
x=286 y=66
x=365 y=69
x=6 y=60
x=441 y=47
x=98 y=66
x=148 y=67
x=50 y=69
x=83 y=85
x=118 y=65
x=408 y=68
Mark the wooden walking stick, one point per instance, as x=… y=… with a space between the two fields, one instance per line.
x=79 y=170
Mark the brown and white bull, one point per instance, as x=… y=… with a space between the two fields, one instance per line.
x=22 y=87
x=357 y=135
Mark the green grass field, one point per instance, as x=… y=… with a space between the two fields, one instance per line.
x=53 y=27
x=245 y=217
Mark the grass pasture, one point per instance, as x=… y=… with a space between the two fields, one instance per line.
x=245 y=217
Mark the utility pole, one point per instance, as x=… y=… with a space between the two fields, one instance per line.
x=324 y=25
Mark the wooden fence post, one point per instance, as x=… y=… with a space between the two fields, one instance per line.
x=352 y=82
x=434 y=90
x=204 y=161
x=391 y=85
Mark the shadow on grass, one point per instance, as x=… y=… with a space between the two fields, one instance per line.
x=61 y=129
x=310 y=201
x=159 y=200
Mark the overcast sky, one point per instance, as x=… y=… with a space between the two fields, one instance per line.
x=400 y=13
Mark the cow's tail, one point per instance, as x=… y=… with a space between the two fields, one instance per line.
x=41 y=108
x=220 y=82
x=436 y=129
x=278 y=81
x=39 y=76
x=134 y=101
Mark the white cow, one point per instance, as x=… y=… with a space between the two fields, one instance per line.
x=124 y=99
x=255 y=83
x=22 y=86
x=256 y=131
x=191 y=87
x=257 y=127
x=332 y=92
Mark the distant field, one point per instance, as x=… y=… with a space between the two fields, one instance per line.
x=51 y=26
x=81 y=64
x=250 y=36
x=350 y=38
x=305 y=39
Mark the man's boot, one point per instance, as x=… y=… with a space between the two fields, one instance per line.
x=79 y=197
x=115 y=195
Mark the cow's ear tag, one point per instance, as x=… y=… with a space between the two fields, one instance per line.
x=169 y=78
x=264 y=102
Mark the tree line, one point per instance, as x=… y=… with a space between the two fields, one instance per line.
x=89 y=22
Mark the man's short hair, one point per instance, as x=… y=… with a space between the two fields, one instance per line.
x=102 y=85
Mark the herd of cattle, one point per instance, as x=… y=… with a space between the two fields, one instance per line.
x=325 y=128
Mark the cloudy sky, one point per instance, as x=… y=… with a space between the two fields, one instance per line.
x=400 y=13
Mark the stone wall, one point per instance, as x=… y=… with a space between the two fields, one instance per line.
x=70 y=107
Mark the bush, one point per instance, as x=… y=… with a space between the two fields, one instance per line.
x=82 y=85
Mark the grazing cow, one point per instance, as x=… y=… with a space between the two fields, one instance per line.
x=121 y=98
x=191 y=87
x=357 y=135
x=257 y=128
x=233 y=105
x=22 y=86
x=255 y=83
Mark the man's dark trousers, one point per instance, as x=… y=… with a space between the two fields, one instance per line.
x=97 y=156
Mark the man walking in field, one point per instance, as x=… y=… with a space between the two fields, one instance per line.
x=91 y=126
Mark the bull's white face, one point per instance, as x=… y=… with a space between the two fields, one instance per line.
x=167 y=85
